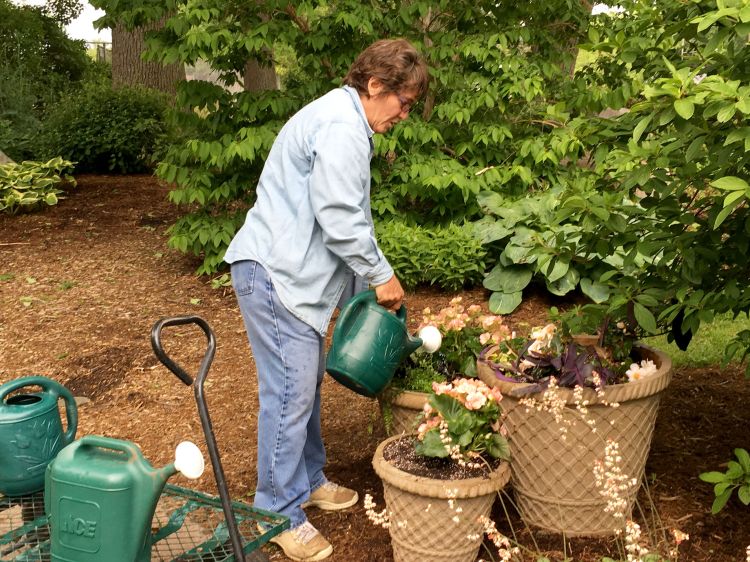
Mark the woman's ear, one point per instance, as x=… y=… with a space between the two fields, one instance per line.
x=374 y=87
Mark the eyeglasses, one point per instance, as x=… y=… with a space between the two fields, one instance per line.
x=406 y=104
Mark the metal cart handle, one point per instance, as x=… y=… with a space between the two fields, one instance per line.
x=208 y=431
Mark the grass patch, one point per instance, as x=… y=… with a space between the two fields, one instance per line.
x=707 y=347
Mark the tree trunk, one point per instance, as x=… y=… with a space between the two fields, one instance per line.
x=128 y=69
x=258 y=78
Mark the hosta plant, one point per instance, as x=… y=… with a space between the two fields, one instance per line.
x=30 y=185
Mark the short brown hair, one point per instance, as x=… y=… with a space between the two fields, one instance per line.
x=395 y=63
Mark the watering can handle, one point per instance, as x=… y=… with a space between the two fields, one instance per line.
x=168 y=361
x=352 y=305
x=114 y=444
x=53 y=387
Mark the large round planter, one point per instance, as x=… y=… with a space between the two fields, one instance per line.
x=402 y=410
x=422 y=511
x=553 y=477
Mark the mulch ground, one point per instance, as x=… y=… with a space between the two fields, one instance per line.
x=82 y=283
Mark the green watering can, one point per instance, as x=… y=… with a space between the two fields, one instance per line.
x=100 y=497
x=369 y=342
x=31 y=432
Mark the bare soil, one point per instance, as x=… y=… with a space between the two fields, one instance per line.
x=81 y=285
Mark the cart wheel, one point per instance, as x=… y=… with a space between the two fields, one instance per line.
x=256 y=556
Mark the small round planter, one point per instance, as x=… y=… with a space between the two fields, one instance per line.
x=436 y=520
x=402 y=410
x=553 y=478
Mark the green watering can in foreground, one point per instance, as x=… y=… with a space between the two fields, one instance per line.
x=369 y=342
x=100 y=497
x=31 y=433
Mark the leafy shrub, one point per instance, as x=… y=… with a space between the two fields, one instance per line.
x=30 y=185
x=449 y=257
x=37 y=66
x=106 y=130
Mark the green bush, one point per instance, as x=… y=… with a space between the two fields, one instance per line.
x=449 y=257
x=37 y=67
x=30 y=185
x=105 y=130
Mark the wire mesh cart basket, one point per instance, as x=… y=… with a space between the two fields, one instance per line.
x=188 y=525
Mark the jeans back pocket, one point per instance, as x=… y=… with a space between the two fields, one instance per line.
x=243 y=276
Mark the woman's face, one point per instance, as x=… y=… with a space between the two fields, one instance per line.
x=384 y=109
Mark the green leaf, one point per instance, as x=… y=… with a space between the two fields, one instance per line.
x=432 y=445
x=720 y=502
x=497 y=446
x=744 y=459
x=694 y=148
x=724 y=213
x=713 y=477
x=744 y=494
x=645 y=318
x=640 y=127
x=725 y=113
x=731 y=183
x=504 y=303
x=597 y=292
x=510 y=279
x=684 y=108
x=558 y=270
x=734 y=470
x=565 y=284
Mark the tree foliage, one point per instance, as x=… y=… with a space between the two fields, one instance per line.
x=645 y=211
x=37 y=63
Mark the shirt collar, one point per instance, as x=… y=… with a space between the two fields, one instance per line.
x=360 y=109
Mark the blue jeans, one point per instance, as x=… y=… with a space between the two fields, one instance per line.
x=290 y=362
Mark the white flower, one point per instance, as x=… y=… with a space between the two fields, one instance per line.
x=639 y=371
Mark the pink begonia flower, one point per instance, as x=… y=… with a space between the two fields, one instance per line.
x=475 y=400
x=474 y=308
x=464 y=386
x=484 y=338
x=441 y=388
x=456 y=324
x=455 y=301
x=496 y=395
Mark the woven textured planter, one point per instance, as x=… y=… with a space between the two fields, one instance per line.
x=422 y=525
x=402 y=410
x=553 y=478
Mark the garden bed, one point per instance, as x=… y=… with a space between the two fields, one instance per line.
x=82 y=283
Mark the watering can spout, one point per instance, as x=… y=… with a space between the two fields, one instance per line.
x=159 y=479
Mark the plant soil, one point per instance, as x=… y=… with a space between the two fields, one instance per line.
x=82 y=283
x=400 y=453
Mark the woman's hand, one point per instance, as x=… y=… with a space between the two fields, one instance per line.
x=390 y=294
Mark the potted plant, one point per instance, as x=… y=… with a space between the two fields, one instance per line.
x=580 y=413
x=461 y=328
x=439 y=484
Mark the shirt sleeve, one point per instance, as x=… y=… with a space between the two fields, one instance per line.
x=338 y=181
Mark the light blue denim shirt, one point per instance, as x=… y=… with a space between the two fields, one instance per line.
x=311 y=227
